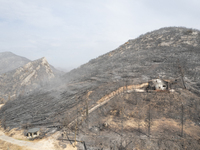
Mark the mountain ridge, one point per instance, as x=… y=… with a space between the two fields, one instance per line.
x=25 y=78
x=10 y=61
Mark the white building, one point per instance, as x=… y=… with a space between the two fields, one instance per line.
x=159 y=84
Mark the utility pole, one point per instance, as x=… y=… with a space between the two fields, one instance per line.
x=122 y=110
x=78 y=114
x=182 y=74
x=122 y=121
x=87 y=114
x=149 y=126
x=75 y=133
x=139 y=121
x=182 y=114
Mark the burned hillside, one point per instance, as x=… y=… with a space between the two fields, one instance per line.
x=152 y=55
x=156 y=120
x=113 y=101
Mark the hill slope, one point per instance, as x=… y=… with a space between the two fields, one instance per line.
x=155 y=54
x=108 y=87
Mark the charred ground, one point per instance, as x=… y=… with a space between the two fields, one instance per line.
x=148 y=120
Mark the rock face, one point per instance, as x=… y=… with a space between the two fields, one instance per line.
x=23 y=80
x=10 y=61
x=102 y=91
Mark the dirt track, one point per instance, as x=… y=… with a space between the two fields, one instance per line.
x=107 y=98
x=42 y=145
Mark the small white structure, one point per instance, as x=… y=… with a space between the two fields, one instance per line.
x=34 y=132
x=159 y=84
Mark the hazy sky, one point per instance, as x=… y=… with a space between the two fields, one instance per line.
x=71 y=32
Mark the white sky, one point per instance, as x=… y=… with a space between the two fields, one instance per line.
x=71 y=32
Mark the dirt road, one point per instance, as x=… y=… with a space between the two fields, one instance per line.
x=40 y=145
x=107 y=98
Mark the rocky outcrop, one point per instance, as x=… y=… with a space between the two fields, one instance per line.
x=25 y=79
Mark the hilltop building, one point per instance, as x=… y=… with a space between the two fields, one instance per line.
x=158 y=84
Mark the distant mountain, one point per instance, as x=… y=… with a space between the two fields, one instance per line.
x=20 y=76
x=97 y=96
x=10 y=61
x=25 y=79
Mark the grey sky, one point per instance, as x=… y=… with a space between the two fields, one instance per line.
x=71 y=32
